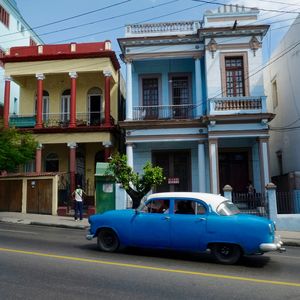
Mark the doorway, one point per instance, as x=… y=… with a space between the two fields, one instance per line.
x=176 y=168
x=234 y=167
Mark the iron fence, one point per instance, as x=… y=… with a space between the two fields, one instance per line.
x=254 y=204
x=288 y=202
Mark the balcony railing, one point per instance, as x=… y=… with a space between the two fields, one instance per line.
x=237 y=105
x=51 y=120
x=164 y=112
x=165 y=28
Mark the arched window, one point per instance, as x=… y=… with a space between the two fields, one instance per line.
x=45 y=105
x=52 y=163
x=95 y=106
x=65 y=105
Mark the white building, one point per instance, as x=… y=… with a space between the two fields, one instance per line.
x=283 y=90
x=14 y=31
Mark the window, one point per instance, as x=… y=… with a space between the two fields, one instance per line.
x=32 y=42
x=4 y=16
x=45 y=105
x=150 y=91
x=279 y=160
x=181 y=95
x=2 y=54
x=150 y=97
x=52 y=163
x=156 y=206
x=274 y=94
x=96 y=106
x=65 y=106
x=234 y=73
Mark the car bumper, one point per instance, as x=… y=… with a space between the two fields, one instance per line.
x=89 y=237
x=276 y=246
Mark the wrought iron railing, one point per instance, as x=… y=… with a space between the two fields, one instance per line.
x=163 y=112
x=288 y=202
x=51 y=120
x=234 y=105
x=255 y=204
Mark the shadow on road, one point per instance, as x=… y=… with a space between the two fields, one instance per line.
x=255 y=261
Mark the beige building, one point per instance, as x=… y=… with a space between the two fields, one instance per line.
x=71 y=98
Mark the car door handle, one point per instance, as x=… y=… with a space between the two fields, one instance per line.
x=201 y=219
x=166 y=218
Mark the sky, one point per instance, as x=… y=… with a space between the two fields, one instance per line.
x=109 y=17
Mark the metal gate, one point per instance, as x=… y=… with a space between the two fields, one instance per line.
x=254 y=204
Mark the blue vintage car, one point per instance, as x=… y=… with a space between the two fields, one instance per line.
x=197 y=222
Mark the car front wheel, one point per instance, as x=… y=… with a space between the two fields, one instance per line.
x=107 y=240
x=226 y=253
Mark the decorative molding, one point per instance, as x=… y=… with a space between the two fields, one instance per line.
x=40 y=76
x=244 y=54
x=72 y=144
x=107 y=73
x=73 y=74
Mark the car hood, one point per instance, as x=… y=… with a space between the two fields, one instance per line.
x=110 y=213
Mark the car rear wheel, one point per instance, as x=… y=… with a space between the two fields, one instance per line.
x=226 y=253
x=108 y=240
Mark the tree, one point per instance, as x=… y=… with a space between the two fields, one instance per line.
x=135 y=185
x=15 y=149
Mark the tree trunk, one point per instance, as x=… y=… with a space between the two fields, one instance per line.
x=137 y=197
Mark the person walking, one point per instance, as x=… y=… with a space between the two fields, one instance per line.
x=78 y=193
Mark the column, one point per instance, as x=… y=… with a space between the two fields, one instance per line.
x=201 y=167
x=128 y=90
x=39 y=101
x=214 y=166
x=264 y=161
x=72 y=168
x=6 y=102
x=38 y=159
x=107 y=121
x=199 y=99
x=72 y=123
x=129 y=153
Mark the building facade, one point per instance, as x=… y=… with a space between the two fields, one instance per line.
x=282 y=87
x=14 y=31
x=70 y=100
x=195 y=104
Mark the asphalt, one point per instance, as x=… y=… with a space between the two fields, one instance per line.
x=289 y=238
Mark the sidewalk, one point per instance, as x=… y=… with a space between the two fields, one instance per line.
x=289 y=238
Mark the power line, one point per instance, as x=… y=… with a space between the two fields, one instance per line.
x=279 y=2
x=120 y=27
x=262 y=9
x=70 y=18
x=101 y=20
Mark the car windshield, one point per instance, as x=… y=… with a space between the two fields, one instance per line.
x=227 y=208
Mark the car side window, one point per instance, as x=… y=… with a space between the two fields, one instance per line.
x=157 y=206
x=200 y=209
x=185 y=207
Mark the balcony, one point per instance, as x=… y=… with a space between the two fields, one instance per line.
x=164 y=112
x=53 y=120
x=163 y=28
x=237 y=105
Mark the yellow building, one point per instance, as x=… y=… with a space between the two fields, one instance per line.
x=71 y=98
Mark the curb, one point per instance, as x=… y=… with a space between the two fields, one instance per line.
x=81 y=227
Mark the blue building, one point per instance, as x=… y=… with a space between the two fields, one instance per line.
x=195 y=101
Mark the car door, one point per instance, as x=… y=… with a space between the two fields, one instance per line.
x=151 y=227
x=188 y=225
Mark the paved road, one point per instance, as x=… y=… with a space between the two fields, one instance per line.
x=54 y=263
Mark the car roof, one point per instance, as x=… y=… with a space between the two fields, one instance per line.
x=211 y=199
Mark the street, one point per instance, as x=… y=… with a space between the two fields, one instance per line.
x=39 y=262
